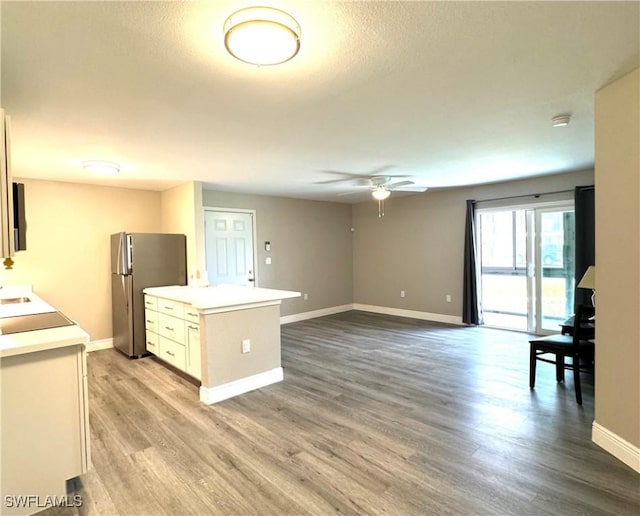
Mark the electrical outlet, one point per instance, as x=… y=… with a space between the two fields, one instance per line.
x=267 y=260
x=448 y=298
x=402 y=293
x=246 y=345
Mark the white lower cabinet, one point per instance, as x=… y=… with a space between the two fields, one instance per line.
x=194 y=362
x=173 y=352
x=172 y=334
x=44 y=409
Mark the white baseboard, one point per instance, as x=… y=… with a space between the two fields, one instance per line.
x=210 y=395
x=413 y=314
x=616 y=446
x=303 y=316
x=96 y=345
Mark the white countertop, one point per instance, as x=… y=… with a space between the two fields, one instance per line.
x=35 y=340
x=221 y=296
x=35 y=305
x=41 y=340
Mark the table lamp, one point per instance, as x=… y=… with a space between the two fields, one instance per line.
x=589 y=281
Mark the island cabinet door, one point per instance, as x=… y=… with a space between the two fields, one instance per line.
x=45 y=423
x=194 y=361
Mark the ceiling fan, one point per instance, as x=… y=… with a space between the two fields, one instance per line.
x=380 y=187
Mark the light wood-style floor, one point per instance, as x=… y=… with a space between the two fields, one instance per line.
x=376 y=415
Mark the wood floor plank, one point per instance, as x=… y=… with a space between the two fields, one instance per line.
x=376 y=415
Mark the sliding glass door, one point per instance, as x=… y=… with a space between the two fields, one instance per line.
x=527 y=256
x=554 y=270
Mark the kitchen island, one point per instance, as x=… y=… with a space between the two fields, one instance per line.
x=44 y=403
x=227 y=336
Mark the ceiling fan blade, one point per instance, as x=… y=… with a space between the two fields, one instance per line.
x=346 y=174
x=411 y=189
x=342 y=194
x=400 y=183
x=332 y=181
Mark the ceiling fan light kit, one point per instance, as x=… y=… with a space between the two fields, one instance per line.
x=262 y=36
x=380 y=193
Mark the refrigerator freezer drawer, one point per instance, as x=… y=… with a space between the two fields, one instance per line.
x=173 y=353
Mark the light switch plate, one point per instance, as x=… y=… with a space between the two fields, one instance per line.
x=246 y=345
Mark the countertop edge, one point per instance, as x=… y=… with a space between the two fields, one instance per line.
x=41 y=340
x=208 y=299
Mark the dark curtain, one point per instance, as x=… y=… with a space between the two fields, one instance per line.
x=585 y=239
x=471 y=308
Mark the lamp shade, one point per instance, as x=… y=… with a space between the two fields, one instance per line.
x=262 y=36
x=589 y=278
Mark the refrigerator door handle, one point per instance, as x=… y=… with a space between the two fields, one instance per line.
x=126 y=292
x=129 y=256
x=121 y=264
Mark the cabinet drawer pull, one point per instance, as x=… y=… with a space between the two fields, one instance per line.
x=192 y=314
x=192 y=327
x=169 y=328
x=149 y=321
x=170 y=353
x=168 y=307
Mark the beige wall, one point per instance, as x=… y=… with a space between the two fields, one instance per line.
x=224 y=335
x=618 y=257
x=67 y=257
x=182 y=213
x=310 y=247
x=418 y=245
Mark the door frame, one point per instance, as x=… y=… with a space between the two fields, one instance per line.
x=254 y=233
x=533 y=249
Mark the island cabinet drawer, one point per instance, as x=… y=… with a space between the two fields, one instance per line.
x=170 y=307
x=171 y=327
x=151 y=320
x=173 y=353
x=150 y=302
x=191 y=314
x=152 y=343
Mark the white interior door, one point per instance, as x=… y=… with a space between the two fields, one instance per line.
x=229 y=247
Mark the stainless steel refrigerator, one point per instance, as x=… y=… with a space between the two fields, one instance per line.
x=138 y=261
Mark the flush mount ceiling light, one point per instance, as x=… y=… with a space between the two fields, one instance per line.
x=560 y=120
x=262 y=36
x=101 y=167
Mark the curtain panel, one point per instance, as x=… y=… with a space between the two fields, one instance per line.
x=471 y=306
x=585 y=214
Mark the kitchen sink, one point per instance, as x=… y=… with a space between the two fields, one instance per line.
x=14 y=300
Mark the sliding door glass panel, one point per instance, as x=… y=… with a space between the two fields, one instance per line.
x=503 y=265
x=556 y=229
x=527 y=264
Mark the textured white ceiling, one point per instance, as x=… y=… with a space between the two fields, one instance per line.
x=450 y=93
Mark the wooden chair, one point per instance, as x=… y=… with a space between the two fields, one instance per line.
x=575 y=346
